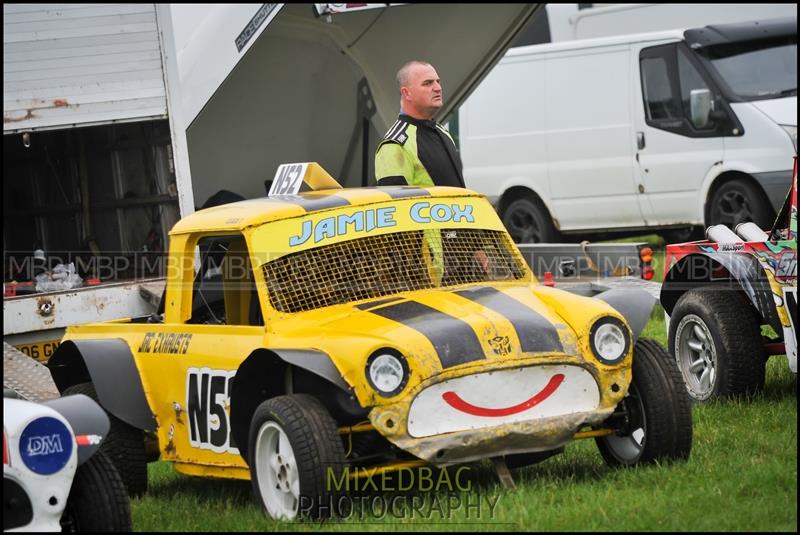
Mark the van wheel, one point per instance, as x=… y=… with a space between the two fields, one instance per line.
x=716 y=340
x=528 y=221
x=124 y=445
x=653 y=421
x=739 y=201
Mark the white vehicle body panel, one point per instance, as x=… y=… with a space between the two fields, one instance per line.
x=80 y=64
x=48 y=492
x=575 y=392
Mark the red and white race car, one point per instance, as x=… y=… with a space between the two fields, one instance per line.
x=720 y=292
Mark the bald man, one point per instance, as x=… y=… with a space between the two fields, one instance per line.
x=417 y=150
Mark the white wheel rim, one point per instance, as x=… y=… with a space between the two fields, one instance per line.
x=277 y=473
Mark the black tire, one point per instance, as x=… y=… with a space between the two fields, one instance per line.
x=730 y=360
x=124 y=445
x=316 y=450
x=528 y=221
x=739 y=201
x=98 y=500
x=654 y=420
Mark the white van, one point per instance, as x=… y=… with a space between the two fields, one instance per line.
x=659 y=131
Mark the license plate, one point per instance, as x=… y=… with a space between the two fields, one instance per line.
x=40 y=351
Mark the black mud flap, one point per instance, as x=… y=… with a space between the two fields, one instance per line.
x=110 y=366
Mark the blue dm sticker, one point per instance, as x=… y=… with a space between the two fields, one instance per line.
x=45 y=445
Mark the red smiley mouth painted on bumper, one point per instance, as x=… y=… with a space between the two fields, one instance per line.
x=455 y=401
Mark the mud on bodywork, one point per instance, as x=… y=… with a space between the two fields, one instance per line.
x=568 y=393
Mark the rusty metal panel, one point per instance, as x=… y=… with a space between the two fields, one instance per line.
x=80 y=64
x=56 y=310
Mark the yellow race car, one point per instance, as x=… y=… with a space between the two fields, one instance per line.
x=308 y=339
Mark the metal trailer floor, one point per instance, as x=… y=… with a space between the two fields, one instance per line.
x=27 y=377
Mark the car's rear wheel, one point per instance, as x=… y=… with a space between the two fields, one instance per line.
x=296 y=458
x=716 y=340
x=124 y=445
x=654 y=420
x=98 y=500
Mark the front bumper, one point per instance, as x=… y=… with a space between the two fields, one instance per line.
x=468 y=415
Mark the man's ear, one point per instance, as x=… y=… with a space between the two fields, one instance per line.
x=404 y=93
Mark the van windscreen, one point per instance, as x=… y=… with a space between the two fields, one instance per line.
x=756 y=70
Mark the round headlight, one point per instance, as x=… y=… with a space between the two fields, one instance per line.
x=387 y=371
x=610 y=340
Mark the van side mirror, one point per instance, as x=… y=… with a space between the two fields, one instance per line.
x=700 y=107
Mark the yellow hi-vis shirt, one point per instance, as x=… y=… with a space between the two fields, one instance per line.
x=418 y=153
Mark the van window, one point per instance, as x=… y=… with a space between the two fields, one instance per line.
x=668 y=76
x=659 y=101
x=756 y=70
x=689 y=79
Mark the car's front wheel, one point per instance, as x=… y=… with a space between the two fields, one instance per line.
x=296 y=458
x=98 y=500
x=654 y=420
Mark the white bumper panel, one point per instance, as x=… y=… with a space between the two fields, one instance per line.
x=501 y=397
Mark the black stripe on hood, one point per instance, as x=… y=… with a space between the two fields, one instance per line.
x=535 y=332
x=454 y=339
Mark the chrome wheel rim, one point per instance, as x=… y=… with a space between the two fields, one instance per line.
x=276 y=469
x=696 y=356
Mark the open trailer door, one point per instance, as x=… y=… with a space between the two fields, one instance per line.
x=312 y=85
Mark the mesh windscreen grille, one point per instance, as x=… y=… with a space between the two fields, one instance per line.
x=375 y=266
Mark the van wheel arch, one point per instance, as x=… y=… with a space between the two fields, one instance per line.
x=538 y=221
x=739 y=180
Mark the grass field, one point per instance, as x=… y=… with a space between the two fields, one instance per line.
x=741 y=476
